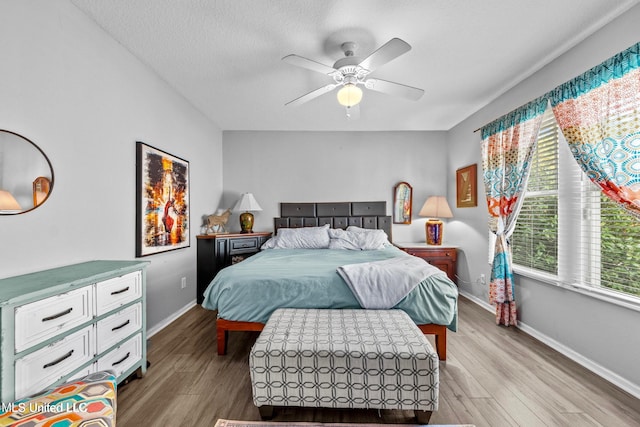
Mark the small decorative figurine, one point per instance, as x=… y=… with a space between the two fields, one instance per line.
x=217 y=222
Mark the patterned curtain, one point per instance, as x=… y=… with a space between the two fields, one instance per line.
x=507 y=147
x=599 y=114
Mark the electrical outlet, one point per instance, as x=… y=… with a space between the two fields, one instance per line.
x=482 y=280
x=183 y=283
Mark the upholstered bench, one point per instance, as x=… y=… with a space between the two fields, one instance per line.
x=375 y=359
x=85 y=402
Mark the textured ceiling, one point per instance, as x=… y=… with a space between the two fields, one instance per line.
x=224 y=56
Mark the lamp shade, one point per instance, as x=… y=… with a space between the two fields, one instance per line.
x=247 y=203
x=8 y=202
x=436 y=207
x=349 y=95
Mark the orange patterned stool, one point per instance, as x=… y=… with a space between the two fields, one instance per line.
x=87 y=402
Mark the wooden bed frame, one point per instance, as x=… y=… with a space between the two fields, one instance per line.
x=338 y=215
x=224 y=326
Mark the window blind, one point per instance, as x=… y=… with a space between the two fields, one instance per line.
x=568 y=228
x=534 y=241
x=609 y=239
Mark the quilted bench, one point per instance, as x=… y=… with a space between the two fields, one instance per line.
x=374 y=359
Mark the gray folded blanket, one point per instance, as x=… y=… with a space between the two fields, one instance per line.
x=382 y=284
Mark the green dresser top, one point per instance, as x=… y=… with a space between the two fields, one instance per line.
x=69 y=276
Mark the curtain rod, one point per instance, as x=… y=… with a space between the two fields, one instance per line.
x=523 y=105
x=500 y=117
x=496 y=119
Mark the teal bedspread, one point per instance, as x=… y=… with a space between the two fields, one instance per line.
x=306 y=278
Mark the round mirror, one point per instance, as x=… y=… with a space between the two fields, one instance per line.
x=26 y=175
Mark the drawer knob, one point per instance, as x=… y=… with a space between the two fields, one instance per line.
x=55 y=362
x=55 y=316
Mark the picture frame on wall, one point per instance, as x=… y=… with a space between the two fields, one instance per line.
x=162 y=197
x=467 y=187
x=402 y=202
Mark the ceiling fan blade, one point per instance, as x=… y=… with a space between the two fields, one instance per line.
x=396 y=89
x=385 y=53
x=311 y=95
x=309 y=64
x=353 y=112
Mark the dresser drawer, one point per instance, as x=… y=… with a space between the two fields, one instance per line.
x=118 y=326
x=38 y=370
x=40 y=320
x=433 y=253
x=114 y=293
x=123 y=357
x=243 y=245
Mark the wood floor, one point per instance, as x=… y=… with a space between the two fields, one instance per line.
x=481 y=383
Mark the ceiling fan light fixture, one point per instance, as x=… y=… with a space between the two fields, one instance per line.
x=349 y=95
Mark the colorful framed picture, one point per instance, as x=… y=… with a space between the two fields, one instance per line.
x=466 y=186
x=162 y=195
x=402 y=202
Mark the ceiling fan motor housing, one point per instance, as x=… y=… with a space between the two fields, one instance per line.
x=348 y=66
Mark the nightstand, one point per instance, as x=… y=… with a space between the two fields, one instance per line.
x=442 y=256
x=216 y=251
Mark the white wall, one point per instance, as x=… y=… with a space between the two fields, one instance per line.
x=599 y=334
x=85 y=101
x=333 y=167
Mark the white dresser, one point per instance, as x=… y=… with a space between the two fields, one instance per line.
x=66 y=322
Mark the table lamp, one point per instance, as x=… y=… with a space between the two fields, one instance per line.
x=246 y=204
x=435 y=207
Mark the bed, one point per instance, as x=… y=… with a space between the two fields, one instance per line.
x=305 y=275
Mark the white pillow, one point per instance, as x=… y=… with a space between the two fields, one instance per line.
x=299 y=238
x=365 y=230
x=356 y=240
x=269 y=244
x=374 y=231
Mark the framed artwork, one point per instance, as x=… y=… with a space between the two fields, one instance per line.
x=466 y=186
x=162 y=195
x=402 y=202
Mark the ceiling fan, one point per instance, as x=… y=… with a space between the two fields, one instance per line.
x=350 y=72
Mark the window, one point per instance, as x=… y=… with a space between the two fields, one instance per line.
x=568 y=229
x=611 y=259
x=534 y=242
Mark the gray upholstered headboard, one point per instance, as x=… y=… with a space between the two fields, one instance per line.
x=337 y=215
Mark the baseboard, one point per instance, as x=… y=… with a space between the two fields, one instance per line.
x=594 y=367
x=612 y=377
x=482 y=303
x=166 y=322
